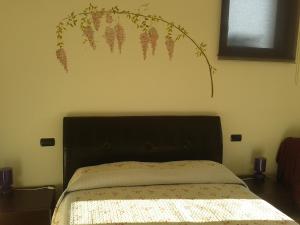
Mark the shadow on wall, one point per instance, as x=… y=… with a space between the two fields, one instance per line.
x=292 y=132
x=146 y=113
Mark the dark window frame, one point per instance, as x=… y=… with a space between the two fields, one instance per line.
x=286 y=35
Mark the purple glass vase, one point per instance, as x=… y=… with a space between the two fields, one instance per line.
x=260 y=167
x=6 y=179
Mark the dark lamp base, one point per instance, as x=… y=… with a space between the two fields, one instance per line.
x=259 y=176
x=6 y=191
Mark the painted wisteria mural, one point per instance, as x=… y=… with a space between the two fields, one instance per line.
x=93 y=19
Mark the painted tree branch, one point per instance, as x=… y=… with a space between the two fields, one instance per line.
x=142 y=22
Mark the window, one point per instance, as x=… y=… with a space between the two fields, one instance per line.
x=259 y=29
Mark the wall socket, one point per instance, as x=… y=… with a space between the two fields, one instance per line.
x=46 y=142
x=236 y=138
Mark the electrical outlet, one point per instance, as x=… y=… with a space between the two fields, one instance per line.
x=236 y=138
x=46 y=142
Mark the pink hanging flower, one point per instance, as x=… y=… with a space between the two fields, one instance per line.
x=120 y=35
x=153 y=35
x=62 y=58
x=170 y=44
x=110 y=37
x=144 y=38
x=109 y=18
x=96 y=16
x=89 y=33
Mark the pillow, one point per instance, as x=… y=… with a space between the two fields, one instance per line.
x=145 y=173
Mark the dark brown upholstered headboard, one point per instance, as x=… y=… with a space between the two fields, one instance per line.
x=96 y=140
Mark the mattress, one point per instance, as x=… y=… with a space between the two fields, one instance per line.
x=187 y=192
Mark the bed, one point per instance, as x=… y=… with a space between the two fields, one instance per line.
x=153 y=170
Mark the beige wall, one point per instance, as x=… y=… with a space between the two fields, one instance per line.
x=257 y=99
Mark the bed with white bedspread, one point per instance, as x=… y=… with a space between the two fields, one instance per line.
x=182 y=193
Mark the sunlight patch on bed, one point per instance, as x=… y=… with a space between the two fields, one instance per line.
x=172 y=211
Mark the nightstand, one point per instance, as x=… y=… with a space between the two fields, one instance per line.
x=276 y=194
x=27 y=207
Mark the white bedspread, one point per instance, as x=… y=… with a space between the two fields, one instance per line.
x=226 y=202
